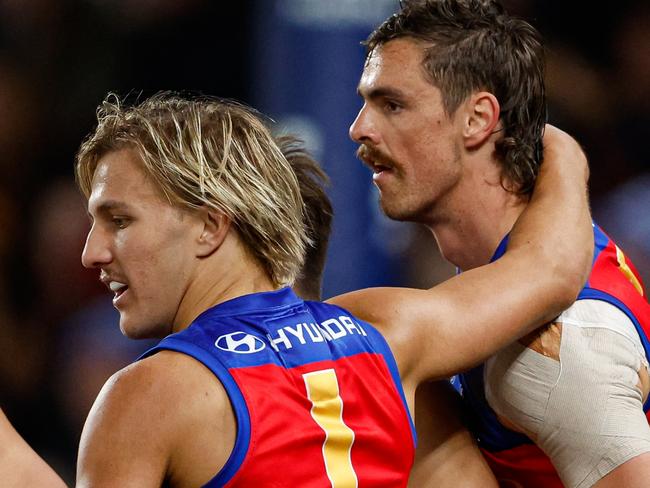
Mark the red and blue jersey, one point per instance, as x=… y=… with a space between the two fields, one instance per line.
x=316 y=393
x=512 y=455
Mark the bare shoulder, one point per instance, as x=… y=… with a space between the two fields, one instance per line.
x=154 y=384
x=143 y=415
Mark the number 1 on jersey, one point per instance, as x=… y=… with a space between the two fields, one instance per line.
x=625 y=269
x=327 y=411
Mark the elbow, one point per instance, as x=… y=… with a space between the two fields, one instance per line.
x=567 y=287
x=569 y=280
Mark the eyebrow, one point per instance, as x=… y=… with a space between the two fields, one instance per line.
x=110 y=206
x=381 y=92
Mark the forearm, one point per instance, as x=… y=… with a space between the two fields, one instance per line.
x=20 y=466
x=554 y=235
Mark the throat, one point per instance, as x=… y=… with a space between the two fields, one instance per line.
x=469 y=242
x=464 y=251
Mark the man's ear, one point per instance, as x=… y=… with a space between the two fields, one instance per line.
x=481 y=118
x=215 y=229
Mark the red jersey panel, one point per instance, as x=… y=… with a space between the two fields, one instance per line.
x=282 y=422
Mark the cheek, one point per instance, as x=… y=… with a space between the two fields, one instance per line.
x=138 y=255
x=170 y=262
x=156 y=260
x=433 y=160
x=145 y=264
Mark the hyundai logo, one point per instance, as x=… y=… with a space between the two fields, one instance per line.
x=240 y=342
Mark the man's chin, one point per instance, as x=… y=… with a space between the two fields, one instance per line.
x=393 y=212
x=141 y=331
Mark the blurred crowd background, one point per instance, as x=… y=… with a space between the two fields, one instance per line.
x=299 y=62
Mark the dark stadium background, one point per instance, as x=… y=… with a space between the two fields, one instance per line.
x=298 y=61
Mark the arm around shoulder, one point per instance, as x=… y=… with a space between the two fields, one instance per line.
x=546 y=264
x=461 y=322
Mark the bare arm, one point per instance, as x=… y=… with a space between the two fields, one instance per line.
x=118 y=446
x=446 y=454
x=20 y=466
x=453 y=326
x=148 y=425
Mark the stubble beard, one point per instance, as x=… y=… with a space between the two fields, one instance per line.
x=400 y=211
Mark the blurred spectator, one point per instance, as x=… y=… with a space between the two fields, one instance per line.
x=625 y=208
x=60 y=226
x=625 y=213
x=630 y=82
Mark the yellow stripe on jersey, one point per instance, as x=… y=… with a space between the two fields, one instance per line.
x=625 y=269
x=327 y=411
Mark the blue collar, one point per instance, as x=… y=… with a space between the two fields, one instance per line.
x=501 y=249
x=284 y=297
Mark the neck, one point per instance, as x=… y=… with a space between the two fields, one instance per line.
x=229 y=272
x=476 y=217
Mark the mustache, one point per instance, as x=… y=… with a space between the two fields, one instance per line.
x=370 y=154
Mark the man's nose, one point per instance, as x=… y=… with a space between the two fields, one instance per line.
x=363 y=129
x=96 y=250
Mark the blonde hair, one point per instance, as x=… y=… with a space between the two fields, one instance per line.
x=213 y=153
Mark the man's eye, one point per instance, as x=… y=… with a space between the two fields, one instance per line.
x=120 y=222
x=391 y=106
